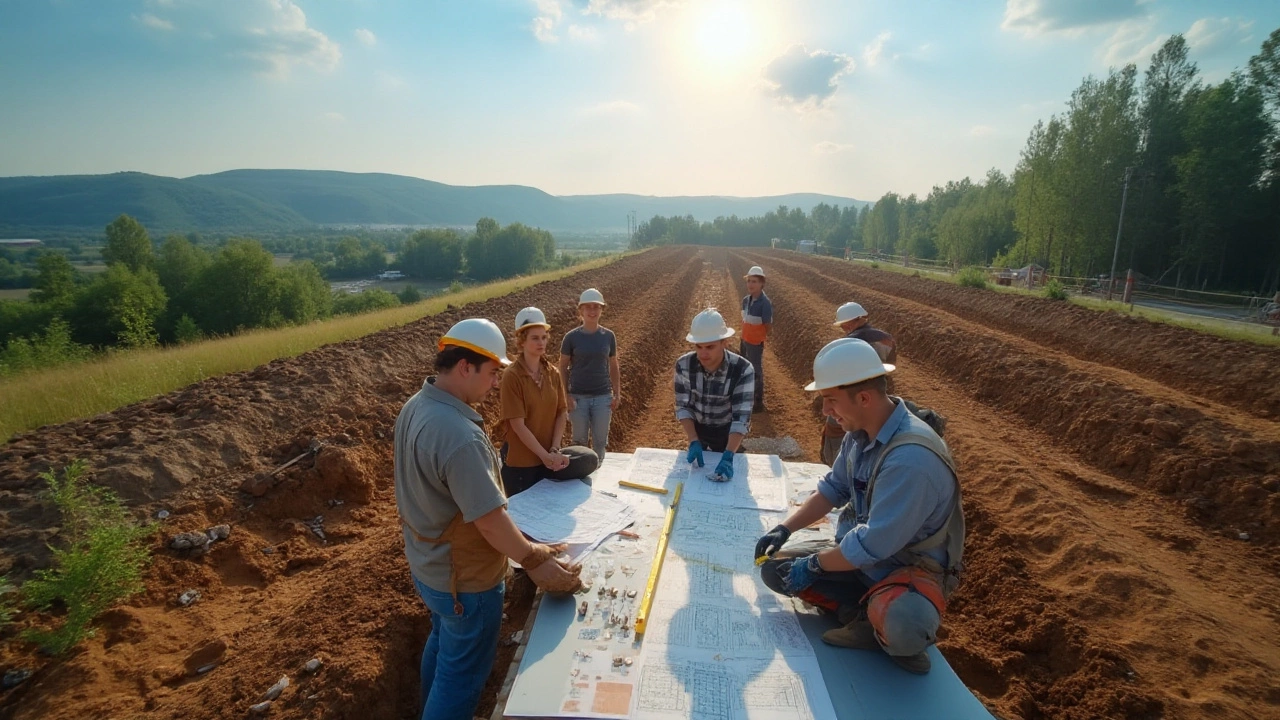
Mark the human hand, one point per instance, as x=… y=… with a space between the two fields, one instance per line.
x=571 y=403
x=725 y=467
x=556 y=577
x=695 y=453
x=803 y=572
x=555 y=460
x=772 y=541
x=617 y=400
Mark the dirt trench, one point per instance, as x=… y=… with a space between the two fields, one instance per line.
x=1090 y=593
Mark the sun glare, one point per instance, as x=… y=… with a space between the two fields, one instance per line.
x=724 y=34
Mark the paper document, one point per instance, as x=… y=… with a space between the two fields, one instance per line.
x=568 y=512
x=758 y=482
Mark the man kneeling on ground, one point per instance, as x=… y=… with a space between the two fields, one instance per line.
x=898 y=544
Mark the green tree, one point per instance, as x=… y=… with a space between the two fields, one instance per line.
x=362 y=302
x=55 y=280
x=432 y=254
x=238 y=290
x=120 y=307
x=127 y=244
x=304 y=295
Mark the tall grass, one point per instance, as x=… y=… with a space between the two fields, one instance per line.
x=80 y=390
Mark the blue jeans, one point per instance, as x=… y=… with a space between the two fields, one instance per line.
x=460 y=650
x=592 y=412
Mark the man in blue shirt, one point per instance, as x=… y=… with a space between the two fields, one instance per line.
x=899 y=540
x=852 y=319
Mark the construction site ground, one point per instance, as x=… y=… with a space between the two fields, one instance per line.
x=1120 y=482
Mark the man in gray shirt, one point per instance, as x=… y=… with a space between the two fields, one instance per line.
x=457 y=532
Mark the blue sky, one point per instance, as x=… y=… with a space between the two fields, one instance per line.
x=660 y=97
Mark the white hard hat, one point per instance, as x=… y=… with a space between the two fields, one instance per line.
x=478 y=335
x=848 y=311
x=755 y=270
x=844 y=362
x=708 y=326
x=531 y=316
x=591 y=295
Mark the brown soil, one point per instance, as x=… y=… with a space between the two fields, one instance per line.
x=1108 y=467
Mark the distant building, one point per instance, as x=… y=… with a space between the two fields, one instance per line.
x=808 y=247
x=391 y=275
x=20 y=243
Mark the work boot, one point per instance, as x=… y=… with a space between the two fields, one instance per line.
x=859 y=635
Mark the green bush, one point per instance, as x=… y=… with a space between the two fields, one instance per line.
x=972 y=277
x=101 y=565
x=187 y=331
x=363 y=302
x=52 y=347
x=456 y=286
x=409 y=295
x=875 y=265
x=7 y=596
x=1054 y=290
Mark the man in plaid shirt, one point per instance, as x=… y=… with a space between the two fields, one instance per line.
x=715 y=392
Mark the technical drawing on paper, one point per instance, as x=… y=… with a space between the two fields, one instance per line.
x=731 y=632
x=728 y=691
x=759 y=481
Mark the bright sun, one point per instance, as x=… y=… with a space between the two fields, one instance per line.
x=724 y=33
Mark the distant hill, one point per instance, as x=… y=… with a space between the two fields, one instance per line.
x=266 y=200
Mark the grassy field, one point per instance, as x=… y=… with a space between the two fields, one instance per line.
x=15 y=293
x=81 y=390
x=1230 y=329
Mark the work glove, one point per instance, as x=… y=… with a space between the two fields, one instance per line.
x=772 y=541
x=725 y=467
x=550 y=574
x=695 y=453
x=803 y=572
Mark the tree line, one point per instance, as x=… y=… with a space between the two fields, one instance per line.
x=182 y=291
x=1201 y=162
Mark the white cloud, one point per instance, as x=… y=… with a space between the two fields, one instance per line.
x=544 y=24
x=1036 y=17
x=154 y=22
x=366 y=37
x=632 y=12
x=1132 y=42
x=826 y=147
x=272 y=36
x=806 y=79
x=334 y=117
x=612 y=107
x=582 y=33
x=981 y=130
x=871 y=53
x=1211 y=34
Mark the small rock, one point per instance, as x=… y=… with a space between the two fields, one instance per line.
x=195 y=543
x=218 y=532
x=1167 y=431
x=268 y=550
x=274 y=691
x=335 y=503
x=312 y=665
x=14 y=678
x=205 y=658
x=189 y=597
x=258 y=485
x=516 y=637
x=206 y=668
x=162 y=515
x=1242 y=536
x=261 y=708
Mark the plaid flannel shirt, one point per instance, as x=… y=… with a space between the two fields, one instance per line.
x=706 y=398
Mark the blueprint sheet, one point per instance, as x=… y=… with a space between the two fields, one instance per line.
x=719 y=644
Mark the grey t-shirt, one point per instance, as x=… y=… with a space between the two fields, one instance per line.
x=589 y=364
x=444 y=465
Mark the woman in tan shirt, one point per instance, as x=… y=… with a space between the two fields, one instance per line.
x=534 y=413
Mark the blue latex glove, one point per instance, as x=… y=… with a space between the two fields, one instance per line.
x=695 y=453
x=804 y=571
x=725 y=468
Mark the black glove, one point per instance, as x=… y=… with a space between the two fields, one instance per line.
x=772 y=541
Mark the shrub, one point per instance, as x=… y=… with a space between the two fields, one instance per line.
x=101 y=565
x=875 y=265
x=409 y=295
x=972 y=277
x=1054 y=290
x=187 y=331
x=363 y=302
x=52 y=347
x=456 y=286
x=7 y=595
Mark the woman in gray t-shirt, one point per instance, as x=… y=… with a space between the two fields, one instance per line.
x=589 y=360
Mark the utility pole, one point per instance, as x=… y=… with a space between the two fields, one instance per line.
x=1128 y=173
